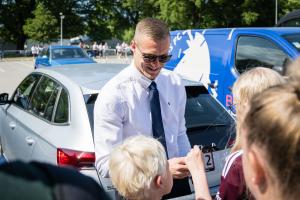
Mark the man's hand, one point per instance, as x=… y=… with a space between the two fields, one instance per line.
x=178 y=168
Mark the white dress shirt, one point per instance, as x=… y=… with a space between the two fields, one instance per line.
x=122 y=109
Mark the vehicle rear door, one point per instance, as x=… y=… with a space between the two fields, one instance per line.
x=42 y=107
x=16 y=144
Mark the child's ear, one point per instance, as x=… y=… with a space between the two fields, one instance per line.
x=158 y=181
x=259 y=178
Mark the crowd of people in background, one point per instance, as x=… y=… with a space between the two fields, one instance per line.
x=97 y=50
x=100 y=50
x=35 y=50
x=123 y=50
x=103 y=50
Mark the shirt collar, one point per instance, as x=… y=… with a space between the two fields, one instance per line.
x=140 y=78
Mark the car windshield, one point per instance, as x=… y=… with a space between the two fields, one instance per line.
x=294 y=39
x=62 y=53
x=207 y=121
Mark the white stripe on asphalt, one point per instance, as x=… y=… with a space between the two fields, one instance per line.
x=2 y=70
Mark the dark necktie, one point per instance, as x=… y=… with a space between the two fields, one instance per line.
x=157 y=124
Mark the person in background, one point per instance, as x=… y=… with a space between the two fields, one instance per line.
x=251 y=82
x=119 y=50
x=81 y=44
x=271 y=143
x=100 y=49
x=139 y=169
x=145 y=99
x=34 y=51
x=95 y=49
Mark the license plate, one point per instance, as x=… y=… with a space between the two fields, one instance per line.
x=209 y=161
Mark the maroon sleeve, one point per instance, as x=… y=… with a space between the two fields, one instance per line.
x=232 y=182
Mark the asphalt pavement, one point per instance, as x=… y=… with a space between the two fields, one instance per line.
x=14 y=70
x=12 y=73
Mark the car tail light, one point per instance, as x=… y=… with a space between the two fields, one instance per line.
x=78 y=159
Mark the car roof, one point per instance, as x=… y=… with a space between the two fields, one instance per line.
x=92 y=77
x=64 y=47
x=292 y=15
x=276 y=30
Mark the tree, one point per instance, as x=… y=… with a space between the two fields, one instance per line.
x=181 y=14
x=43 y=27
x=13 y=14
x=73 y=22
x=98 y=17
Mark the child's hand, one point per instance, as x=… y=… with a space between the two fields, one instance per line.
x=194 y=159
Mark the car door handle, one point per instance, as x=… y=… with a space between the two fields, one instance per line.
x=29 y=140
x=12 y=125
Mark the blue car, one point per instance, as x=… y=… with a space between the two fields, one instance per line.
x=61 y=55
x=216 y=57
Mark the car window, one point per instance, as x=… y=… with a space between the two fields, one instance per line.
x=62 y=110
x=68 y=53
x=256 y=51
x=51 y=104
x=43 y=99
x=291 y=23
x=90 y=103
x=23 y=93
x=207 y=121
x=294 y=39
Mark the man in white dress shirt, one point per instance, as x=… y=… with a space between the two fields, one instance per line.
x=122 y=108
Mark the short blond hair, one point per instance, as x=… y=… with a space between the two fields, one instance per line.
x=293 y=70
x=134 y=164
x=247 y=85
x=153 y=28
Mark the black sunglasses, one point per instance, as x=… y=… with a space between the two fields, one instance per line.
x=149 y=58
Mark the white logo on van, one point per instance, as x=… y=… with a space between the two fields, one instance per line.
x=195 y=64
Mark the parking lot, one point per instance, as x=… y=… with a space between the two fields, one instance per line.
x=12 y=71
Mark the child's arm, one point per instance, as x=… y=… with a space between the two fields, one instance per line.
x=194 y=161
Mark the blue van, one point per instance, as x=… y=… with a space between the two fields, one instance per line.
x=216 y=57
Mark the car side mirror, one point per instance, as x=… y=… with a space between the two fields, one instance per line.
x=4 y=99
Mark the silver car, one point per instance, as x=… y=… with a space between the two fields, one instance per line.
x=49 y=118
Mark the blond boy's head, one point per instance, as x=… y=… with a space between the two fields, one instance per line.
x=139 y=168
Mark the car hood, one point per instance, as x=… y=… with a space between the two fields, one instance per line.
x=71 y=61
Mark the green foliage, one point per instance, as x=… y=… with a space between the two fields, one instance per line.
x=181 y=14
x=128 y=35
x=43 y=27
x=73 y=10
x=289 y=5
x=249 y=17
x=13 y=14
x=105 y=19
